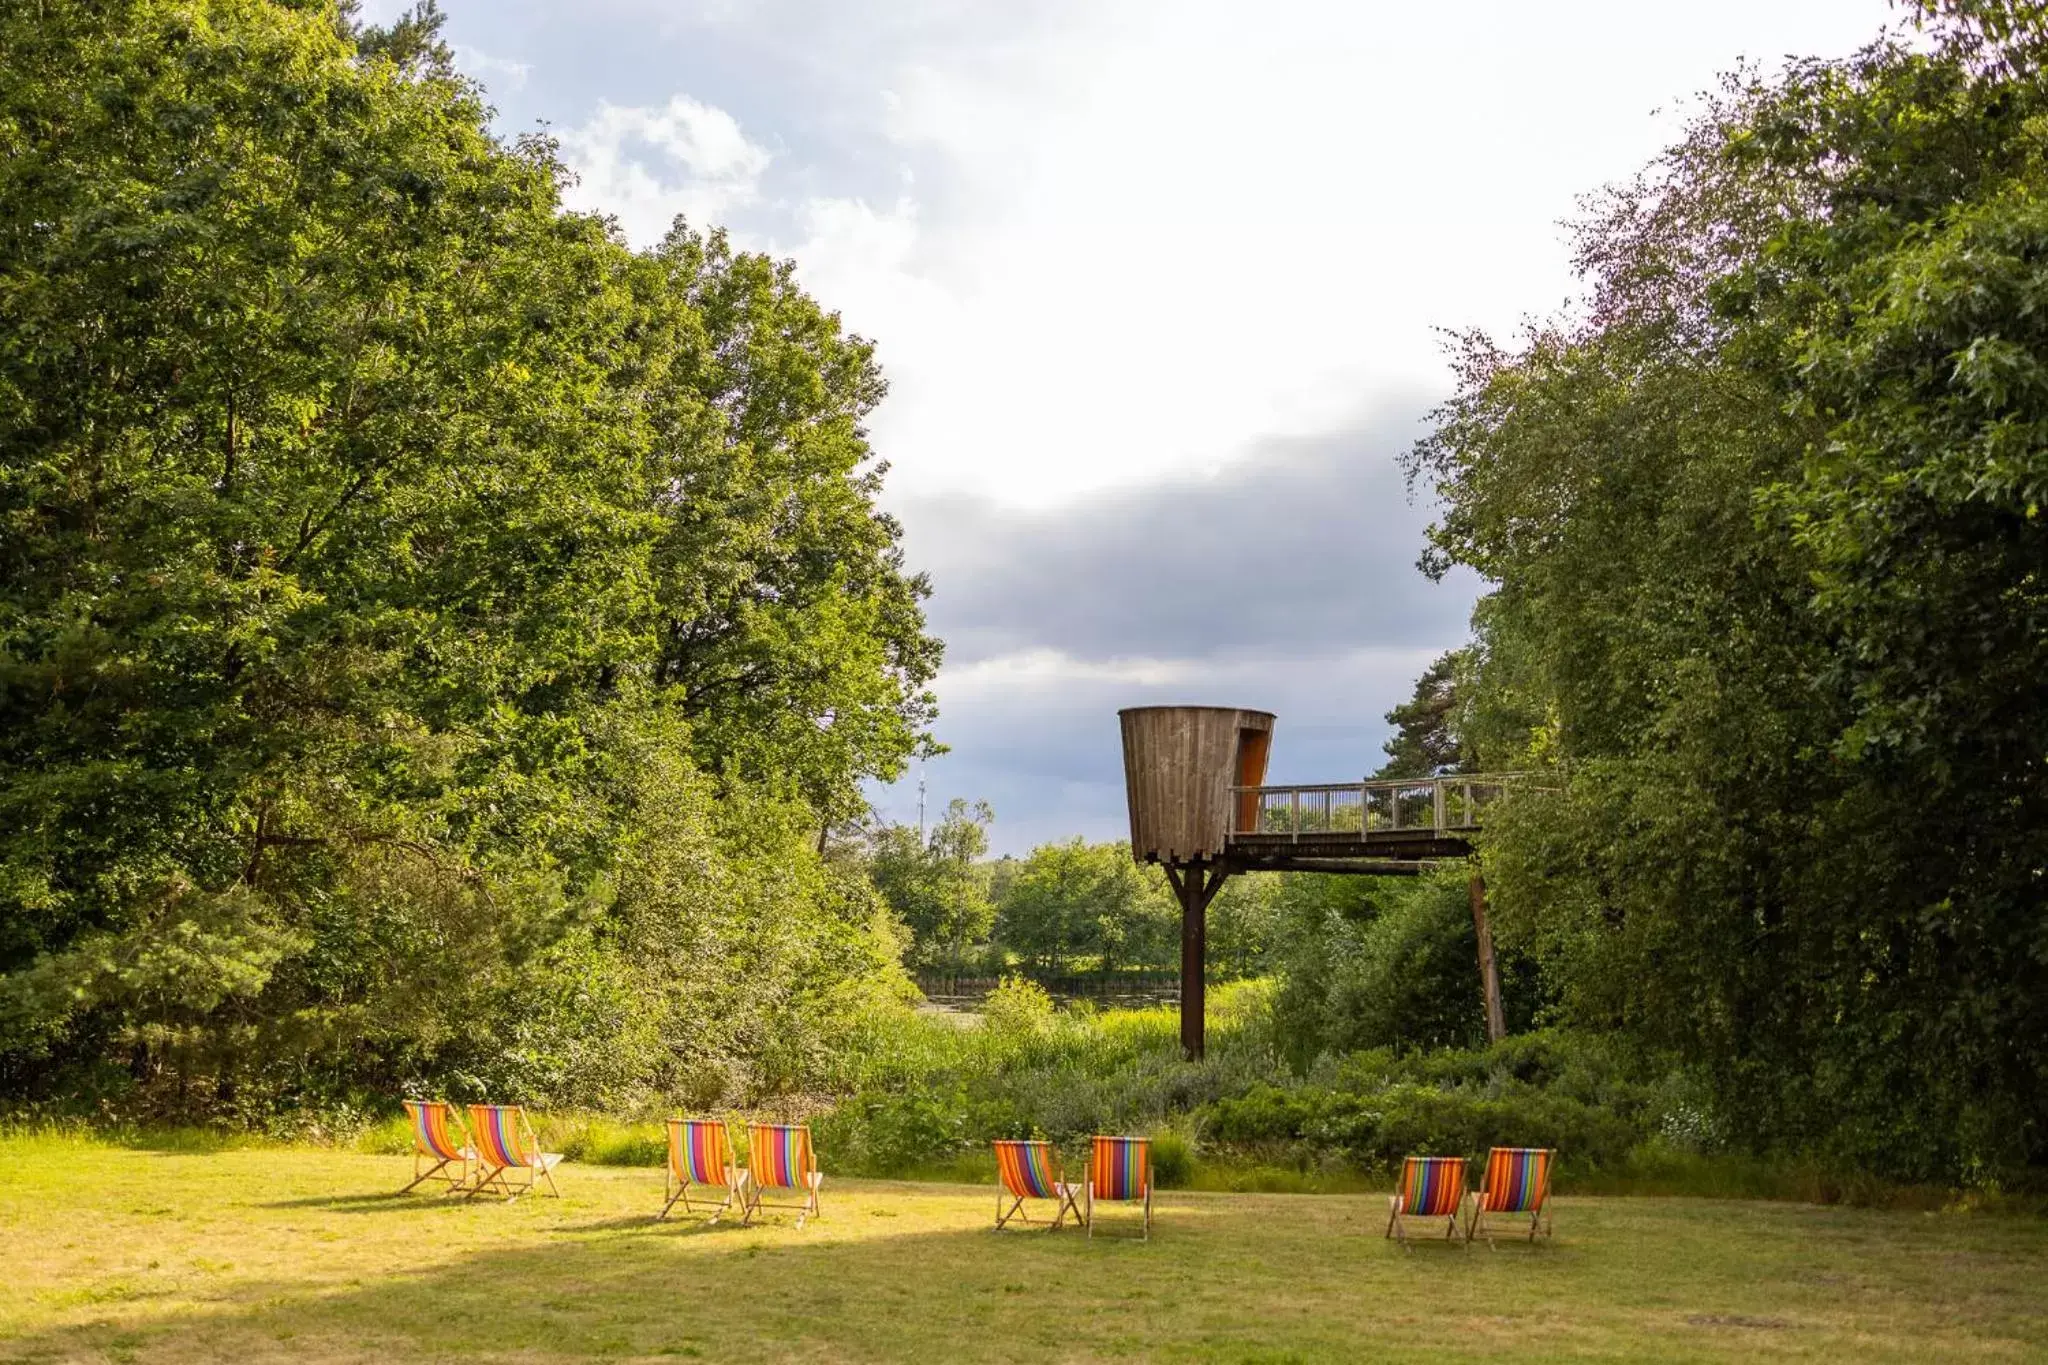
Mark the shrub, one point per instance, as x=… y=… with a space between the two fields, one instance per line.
x=1264 y=1114
x=893 y=1134
x=1018 y=1011
x=1173 y=1160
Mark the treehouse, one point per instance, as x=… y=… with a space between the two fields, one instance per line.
x=1195 y=782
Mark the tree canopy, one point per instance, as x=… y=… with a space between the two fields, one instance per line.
x=1762 y=523
x=936 y=887
x=369 y=520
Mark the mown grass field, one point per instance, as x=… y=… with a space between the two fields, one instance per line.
x=120 y=1254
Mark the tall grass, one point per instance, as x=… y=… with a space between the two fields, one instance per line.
x=924 y=1096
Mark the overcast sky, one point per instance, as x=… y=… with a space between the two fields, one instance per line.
x=1157 y=285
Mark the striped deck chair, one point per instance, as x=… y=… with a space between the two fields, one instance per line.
x=1119 y=1170
x=779 y=1157
x=1031 y=1170
x=1517 y=1182
x=436 y=1141
x=507 y=1149
x=1431 y=1187
x=699 y=1153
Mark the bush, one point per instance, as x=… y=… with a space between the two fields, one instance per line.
x=1371 y=964
x=1173 y=1161
x=894 y=1134
x=602 y=1141
x=1581 y=1095
x=1018 y=1011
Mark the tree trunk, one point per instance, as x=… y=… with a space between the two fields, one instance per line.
x=1194 y=890
x=1489 y=975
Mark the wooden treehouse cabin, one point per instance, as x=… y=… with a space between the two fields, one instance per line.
x=1195 y=778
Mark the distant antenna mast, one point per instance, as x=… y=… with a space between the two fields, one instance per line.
x=920 y=803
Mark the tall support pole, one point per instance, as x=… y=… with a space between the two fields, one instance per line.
x=1489 y=974
x=1194 y=967
x=1194 y=886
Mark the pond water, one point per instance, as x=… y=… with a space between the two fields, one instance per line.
x=961 y=1001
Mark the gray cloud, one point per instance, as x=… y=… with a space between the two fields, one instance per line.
x=1285 y=581
x=1304 y=548
x=1046 y=751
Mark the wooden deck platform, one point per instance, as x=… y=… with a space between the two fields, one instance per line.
x=1397 y=824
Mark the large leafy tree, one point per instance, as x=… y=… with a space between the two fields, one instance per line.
x=362 y=510
x=1762 y=523
x=1076 y=899
x=784 y=624
x=936 y=887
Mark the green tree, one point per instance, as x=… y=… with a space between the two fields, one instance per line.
x=1076 y=900
x=783 y=621
x=369 y=525
x=1369 y=962
x=1242 y=925
x=1429 y=738
x=1760 y=526
x=937 y=888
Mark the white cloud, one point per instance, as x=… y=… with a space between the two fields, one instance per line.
x=1144 y=236
x=497 y=73
x=1036 y=733
x=1131 y=242
x=1034 y=668
x=1105 y=243
x=645 y=165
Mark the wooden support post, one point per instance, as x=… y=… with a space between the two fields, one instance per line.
x=1194 y=887
x=1489 y=974
x=1194 y=965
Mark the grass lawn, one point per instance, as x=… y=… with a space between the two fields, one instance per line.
x=254 y=1254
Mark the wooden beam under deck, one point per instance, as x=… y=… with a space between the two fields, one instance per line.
x=1356 y=867
x=1419 y=845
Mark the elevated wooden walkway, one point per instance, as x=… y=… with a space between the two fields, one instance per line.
x=1388 y=826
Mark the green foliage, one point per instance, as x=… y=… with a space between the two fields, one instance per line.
x=1173 y=1160
x=1762 y=524
x=1429 y=728
x=1244 y=927
x=1073 y=906
x=1032 y=1071
x=387 y=553
x=933 y=1092
x=1381 y=962
x=1546 y=1089
x=1079 y=900
x=935 y=887
x=1019 y=1011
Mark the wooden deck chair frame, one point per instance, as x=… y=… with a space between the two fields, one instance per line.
x=686 y=1167
x=505 y=1143
x=1514 y=1192
x=765 y=1169
x=434 y=1140
x=1113 y=1176
x=1031 y=1170
x=1421 y=1188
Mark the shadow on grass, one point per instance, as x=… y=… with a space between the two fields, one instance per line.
x=647 y=1222
x=387 y=1201
x=893 y=1274
x=856 y=1285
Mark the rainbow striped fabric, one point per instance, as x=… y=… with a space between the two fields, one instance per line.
x=496 y=1130
x=779 y=1155
x=1027 y=1169
x=1120 y=1167
x=431 y=1134
x=1516 y=1178
x=1432 y=1186
x=697 y=1151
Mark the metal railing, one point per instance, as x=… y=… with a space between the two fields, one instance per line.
x=1439 y=805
